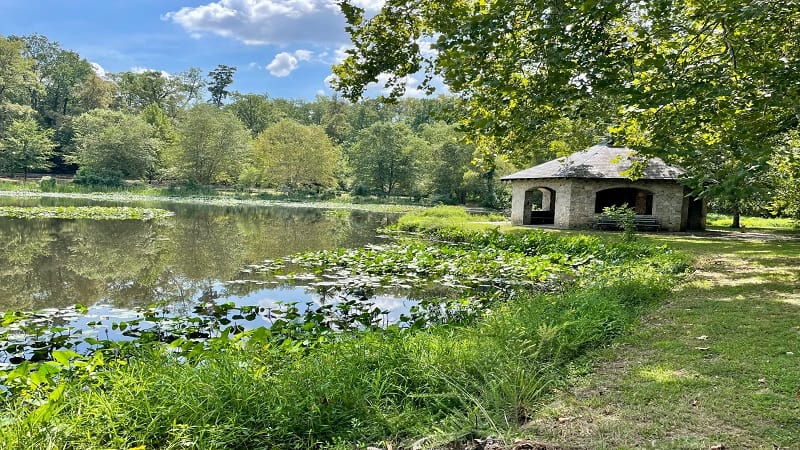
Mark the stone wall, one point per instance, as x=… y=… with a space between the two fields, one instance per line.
x=562 y=194
x=667 y=200
x=575 y=200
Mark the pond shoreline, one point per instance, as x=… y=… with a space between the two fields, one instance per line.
x=217 y=201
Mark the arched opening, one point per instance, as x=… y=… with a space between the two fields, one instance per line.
x=540 y=206
x=638 y=199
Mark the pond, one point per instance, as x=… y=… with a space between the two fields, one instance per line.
x=117 y=267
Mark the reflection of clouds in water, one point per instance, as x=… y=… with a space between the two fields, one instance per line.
x=394 y=305
x=270 y=300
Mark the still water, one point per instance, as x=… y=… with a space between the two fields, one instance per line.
x=115 y=267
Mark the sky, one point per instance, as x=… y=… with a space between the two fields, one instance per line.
x=284 y=48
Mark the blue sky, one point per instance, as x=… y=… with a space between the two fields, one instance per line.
x=280 y=47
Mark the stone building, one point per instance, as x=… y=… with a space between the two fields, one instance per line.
x=571 y=192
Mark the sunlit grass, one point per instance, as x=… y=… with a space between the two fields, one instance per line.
x=447 y=217
x=726 y=342
x=766 y=223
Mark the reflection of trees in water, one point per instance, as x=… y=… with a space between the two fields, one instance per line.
x=24 y=251
x=57 y=263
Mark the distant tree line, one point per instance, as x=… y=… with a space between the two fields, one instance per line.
x=57 y=114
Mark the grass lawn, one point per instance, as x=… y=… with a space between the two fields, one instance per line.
x=754 y=223
x=716 y=366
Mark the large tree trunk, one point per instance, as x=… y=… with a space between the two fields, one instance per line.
x=736 y=217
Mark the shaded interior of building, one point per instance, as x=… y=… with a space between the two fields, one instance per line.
x=540 y=205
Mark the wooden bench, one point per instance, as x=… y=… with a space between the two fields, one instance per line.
x=643 y=223
x=647 y=223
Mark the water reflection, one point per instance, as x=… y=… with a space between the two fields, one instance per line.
x=125 y=264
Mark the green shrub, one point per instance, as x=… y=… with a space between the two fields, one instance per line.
x=625 y=216
x=191 y=188
x=47 y=184
x=89 y=177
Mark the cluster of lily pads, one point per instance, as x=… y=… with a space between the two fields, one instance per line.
x=451 y=279
x=83 y=212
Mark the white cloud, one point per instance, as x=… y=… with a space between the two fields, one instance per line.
x=303 y=55
x=426 y=47
x=408 y=81
x=260 y=22
x=137 y=69
x=282 y=65
x=98 y=70
x=340 y=54
x=328 y=81
x=285 y=63
x=411 y=86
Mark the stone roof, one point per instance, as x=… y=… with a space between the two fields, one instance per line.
x=597 y=162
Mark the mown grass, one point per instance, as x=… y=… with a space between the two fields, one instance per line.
x=756 y=223
x=223 y=200
x=435 y=386
x=717 y=364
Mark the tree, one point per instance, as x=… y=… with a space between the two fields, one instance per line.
x=333 y=117
x=385 y=158
x=213 y=145
x=164 y=132
x=26 y=147
x=693 y=82
x=449 y=161
x=171 y=93
x=785 y=176
x=61 y=72
x=294 y=155
x=17 y=80
x=254 y=110
x=221 y=78
x=94 y=93
x=114 y=144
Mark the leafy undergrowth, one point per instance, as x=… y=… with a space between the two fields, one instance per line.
x=394 y=386
x=83 y=212
x=716 y=365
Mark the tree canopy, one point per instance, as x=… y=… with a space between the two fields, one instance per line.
x=114 y=144
x=290 y=154
x=26 y=147
x=704 y=84
x=384 y=158
x=213 y=145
